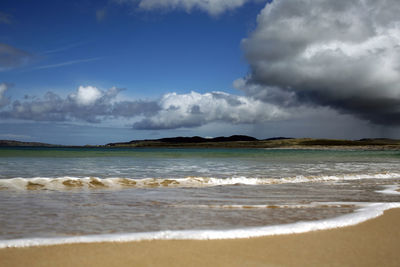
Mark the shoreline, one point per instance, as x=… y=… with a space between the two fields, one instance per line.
x=365 y=212
x=235 y=141
x=371 y=243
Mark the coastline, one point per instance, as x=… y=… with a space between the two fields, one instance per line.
x=372 y=243
x=235 y=141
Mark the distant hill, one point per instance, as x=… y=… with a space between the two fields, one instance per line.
x=10 y=143
x=198 y=139
x=189 y=140
x=236 y=141
x=243 y=141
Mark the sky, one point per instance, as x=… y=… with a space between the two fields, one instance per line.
x=94 y=72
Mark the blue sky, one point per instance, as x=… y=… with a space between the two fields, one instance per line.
x=92 y=72
x=145 y=52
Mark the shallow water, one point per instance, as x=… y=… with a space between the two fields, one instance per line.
x=54 y=193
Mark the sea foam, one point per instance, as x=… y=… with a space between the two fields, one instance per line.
x=390 y=190
x=68 y=183
x=366 y=212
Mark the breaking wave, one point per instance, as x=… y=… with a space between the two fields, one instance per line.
x=87 y=183
x=366 y=212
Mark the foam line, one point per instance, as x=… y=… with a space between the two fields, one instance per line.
x=366 y=212
x=390 y=190
x=67 y=183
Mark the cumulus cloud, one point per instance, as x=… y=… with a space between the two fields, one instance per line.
x=342 y=54
x=194 y=109
x=11 y=57
x=212 y=7
x=3 y=100
x=87 y=95
x=171 y=111
x=88 y=104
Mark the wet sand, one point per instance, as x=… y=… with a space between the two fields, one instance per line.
x=372 y=243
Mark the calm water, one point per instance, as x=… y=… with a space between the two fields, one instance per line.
x=54 y=193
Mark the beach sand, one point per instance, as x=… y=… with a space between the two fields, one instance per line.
x=372 y=243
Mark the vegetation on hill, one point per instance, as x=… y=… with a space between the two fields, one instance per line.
x=236 y=141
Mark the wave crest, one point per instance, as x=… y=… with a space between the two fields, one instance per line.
x=87 y=183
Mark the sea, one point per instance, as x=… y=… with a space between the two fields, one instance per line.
x=70 y=195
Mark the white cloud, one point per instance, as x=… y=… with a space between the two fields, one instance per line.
x=3 y=101
x=212 y=7
x=171 y=111
x=87 y=95
x=3 y=88
x=88 y=104
x=194 y=109
x=344 y=54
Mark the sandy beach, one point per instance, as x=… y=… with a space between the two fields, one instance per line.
x=372 y=243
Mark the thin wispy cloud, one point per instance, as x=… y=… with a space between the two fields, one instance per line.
x=213 y=8
x=67 y=63
x=12 y=57
x=63 y=48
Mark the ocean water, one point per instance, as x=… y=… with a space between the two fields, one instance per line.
x=67 y=195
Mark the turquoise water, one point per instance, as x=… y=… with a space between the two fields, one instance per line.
x=180 y=163
x=64 y=192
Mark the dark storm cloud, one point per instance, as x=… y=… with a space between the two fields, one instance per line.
x=343 y=54
x=11 y=57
